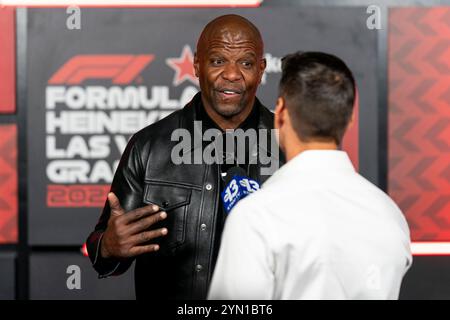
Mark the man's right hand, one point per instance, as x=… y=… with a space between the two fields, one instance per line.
x=127 y=233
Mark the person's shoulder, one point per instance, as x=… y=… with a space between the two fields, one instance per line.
x=381 y=199
x=256 y=207
x=367 y=186
x=247 y=214
x=156 y=135
x=162 y=128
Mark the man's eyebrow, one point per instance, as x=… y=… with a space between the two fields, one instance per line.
x=250 y=53
x=221 y=53
x=214 y=52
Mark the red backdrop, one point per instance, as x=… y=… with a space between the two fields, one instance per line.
x=8 y=183
x=8 y=132
x=419 y=119
x=7 y=58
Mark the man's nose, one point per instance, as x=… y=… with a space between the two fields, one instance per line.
x=232 y=72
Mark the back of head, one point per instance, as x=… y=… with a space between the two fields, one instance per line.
x=319 y=92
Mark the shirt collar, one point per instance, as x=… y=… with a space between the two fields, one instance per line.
x=314 y=160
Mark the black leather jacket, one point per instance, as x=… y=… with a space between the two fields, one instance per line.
x=189 y=193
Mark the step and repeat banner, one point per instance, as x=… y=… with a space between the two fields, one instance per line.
x=89 y=90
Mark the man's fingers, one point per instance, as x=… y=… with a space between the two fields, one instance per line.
x=139 y=213
x=143 y=249
x=147 y=236
x=114 y=204
x=143 y=224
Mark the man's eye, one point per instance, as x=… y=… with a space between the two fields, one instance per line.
x=217 y=62
x=247 y=64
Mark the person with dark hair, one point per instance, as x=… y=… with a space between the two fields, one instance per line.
x=317 y=229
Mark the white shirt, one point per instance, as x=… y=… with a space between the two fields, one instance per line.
x=316 y=230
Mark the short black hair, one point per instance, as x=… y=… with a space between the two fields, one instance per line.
x=319 y=92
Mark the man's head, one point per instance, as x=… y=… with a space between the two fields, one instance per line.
x=229 y=64
x=316 y=97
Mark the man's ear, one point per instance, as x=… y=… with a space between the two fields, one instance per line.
x=352 y=121
x=280 y=116
x=262 y=67
x=196 y=65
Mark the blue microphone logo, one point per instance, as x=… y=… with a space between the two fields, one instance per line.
x=238 y=188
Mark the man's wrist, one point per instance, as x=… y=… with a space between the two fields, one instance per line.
x=104 y=253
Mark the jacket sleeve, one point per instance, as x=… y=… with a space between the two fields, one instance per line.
x=128 y=187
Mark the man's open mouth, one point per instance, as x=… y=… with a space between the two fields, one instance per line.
x=229 y=92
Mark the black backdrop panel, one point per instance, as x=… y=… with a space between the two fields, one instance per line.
x=90 y=89
x=49 y=275
x=428 y=279
x=7 y=275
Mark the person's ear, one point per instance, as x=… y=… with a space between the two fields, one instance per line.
x=262 y=67
x=352 y=121
x=280 y=116
x=196 y=65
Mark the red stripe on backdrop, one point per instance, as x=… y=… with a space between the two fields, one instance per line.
x=8 y=183
x=7 y=61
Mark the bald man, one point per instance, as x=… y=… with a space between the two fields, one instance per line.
x=167 y=215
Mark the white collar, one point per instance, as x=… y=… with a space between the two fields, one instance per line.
x=314 y=160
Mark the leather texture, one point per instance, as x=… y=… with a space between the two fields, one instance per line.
x=189 y=193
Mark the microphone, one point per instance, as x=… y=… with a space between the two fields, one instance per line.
x=238 y=186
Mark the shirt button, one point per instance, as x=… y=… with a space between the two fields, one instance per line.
x=198 y=268
x=203 y=227
x=208 y=186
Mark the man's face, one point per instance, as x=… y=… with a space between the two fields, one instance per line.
x=229 y=66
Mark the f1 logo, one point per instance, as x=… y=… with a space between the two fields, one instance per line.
x=120 y=68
